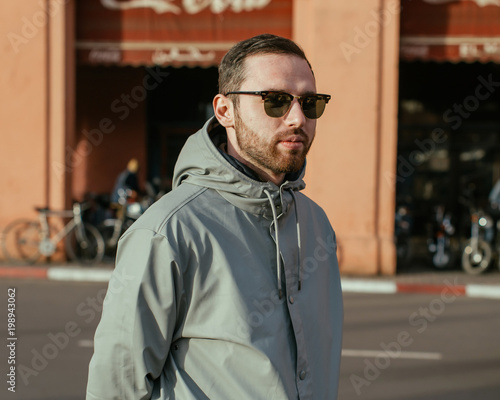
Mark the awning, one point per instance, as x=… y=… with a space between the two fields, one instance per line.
x=173 y=32
x=450 y=30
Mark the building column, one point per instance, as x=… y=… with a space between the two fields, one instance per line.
x=354 y=53
x=60 y=98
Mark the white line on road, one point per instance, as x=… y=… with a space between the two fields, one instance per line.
x=351 y=353
x=402 y=354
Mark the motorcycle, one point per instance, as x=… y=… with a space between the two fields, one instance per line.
x=478 y=250
x=441 y=244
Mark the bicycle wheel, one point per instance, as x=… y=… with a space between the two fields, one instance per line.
x=111 y=231
x=89 y=251
x=21 y=241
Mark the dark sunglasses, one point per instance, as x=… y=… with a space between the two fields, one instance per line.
x=277 y=104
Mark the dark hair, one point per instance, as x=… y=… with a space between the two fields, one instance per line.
x=232 y=67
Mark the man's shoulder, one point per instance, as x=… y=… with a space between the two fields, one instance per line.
x=308 y=203
x=310 y=209
x=158 y=214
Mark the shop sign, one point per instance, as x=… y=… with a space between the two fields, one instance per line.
x=173 y=32
x=480 y=51
x=105 y=56
x=176 y=55
x=450 y=30
x=189 y=6
x=480 y=3
x=413 y=48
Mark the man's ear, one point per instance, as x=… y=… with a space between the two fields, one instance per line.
x=224 y=111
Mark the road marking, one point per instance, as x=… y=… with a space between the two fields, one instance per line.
x=368 y=286
x=86 y=343
x=412 y=355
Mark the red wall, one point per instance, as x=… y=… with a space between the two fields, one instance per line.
x=110 y=126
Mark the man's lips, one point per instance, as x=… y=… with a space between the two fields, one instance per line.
x=292 y=142
x=295 y=138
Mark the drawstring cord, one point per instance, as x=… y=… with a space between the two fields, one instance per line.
x=299 y=261
x=278 y=253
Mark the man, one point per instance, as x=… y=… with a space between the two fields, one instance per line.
x=127 y=183
x=494 y=196
x=228 y=287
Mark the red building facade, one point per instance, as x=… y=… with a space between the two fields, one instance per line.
x=91 y=84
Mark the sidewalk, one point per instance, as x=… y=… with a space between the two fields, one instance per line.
x=420 y=280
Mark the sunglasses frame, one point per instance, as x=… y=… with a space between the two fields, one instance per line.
x=265 y=93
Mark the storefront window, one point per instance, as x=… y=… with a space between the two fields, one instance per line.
x=448 y=138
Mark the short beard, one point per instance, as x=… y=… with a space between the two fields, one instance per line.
x=265 y=154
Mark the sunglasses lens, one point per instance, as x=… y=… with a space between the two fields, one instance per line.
x=277 y=104
x=313 y=106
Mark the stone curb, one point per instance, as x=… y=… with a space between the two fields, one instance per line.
x=388 y=287
x=56 y=273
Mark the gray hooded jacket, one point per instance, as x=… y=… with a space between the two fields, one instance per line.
x=227 y=288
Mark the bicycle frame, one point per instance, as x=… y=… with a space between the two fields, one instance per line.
x=29 y=240
x=75 y=222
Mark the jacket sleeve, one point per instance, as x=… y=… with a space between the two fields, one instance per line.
x=133 y=338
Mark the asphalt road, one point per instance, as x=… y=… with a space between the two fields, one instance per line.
x=398 y=346
x=55 y=324
x=420 y=347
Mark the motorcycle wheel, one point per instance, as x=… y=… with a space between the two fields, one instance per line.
x=446 y=258
x=441 y=261
x=476 y=263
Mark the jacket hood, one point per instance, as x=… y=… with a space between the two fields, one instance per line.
x=201 y=163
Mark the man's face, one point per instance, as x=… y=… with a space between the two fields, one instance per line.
x=275 y=146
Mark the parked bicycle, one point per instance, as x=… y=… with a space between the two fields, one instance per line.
x=27 y=240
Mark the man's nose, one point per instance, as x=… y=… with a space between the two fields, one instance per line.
x=295 y=116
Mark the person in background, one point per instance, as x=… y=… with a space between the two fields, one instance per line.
x=228 y=287
x=494 y=197
x=127 y=183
